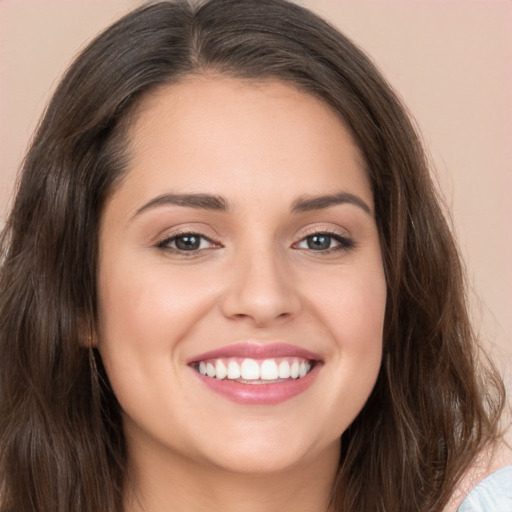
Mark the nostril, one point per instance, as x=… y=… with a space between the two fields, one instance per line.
x=261 y=304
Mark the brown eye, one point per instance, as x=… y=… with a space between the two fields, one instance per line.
x=188 y=242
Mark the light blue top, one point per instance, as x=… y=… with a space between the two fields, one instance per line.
x=494 y=494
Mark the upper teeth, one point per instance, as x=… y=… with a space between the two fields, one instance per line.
x=254 y=369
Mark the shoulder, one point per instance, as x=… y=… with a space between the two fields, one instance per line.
x=489 y=478
x=493 y=494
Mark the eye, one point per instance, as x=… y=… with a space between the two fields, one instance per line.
x=187 y=242
x=326 y=242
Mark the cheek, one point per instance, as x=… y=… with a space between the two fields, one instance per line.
x=351 y=301
x=150 y=305
x=350 y=305
x=359 y=328
x=356 y=325
x=143 y=315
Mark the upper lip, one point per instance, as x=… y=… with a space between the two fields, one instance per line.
x=254 y=350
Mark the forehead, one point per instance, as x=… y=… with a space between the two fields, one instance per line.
x=209 y=131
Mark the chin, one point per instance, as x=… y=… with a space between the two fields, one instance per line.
x=265 y=462
x=268 y=452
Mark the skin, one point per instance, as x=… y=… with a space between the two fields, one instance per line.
x=261 y=146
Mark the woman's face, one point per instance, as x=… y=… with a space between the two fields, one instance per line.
x=241 y=286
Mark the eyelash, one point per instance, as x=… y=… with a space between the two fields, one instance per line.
x=345 y=244
x=165 y=244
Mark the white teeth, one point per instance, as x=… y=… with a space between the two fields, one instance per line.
x=210 y=370
x=220 y=370
x=284 y=370
x=303 y=369
x=294 y=369
x=233 y=370
x=269 y=370
x=250 y=370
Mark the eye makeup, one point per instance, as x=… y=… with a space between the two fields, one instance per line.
x=189 y=243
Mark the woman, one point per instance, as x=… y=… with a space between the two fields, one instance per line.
x=227 y=282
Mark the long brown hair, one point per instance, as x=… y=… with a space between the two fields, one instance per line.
x=61 y=437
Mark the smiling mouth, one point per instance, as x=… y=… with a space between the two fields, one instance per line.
x=255 y=371
x=254 y=374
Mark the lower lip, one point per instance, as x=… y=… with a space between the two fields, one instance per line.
x=260 y=394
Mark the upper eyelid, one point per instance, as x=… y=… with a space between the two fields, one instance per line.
x=330 y=231
x=176 y=232
x=327 y=231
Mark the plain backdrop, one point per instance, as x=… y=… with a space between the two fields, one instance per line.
x=450 y=60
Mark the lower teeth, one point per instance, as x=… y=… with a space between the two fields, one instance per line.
x=260 y=381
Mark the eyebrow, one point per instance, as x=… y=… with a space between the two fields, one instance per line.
x=218 y=203
x=309 y=203
x=200 y=201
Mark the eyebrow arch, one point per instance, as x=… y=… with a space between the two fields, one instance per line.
x=218 y=203
x=201 y=201
x=309 y=203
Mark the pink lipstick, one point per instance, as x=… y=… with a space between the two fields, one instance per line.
x=257 y=374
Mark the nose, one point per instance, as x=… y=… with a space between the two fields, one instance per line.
x=261 y=290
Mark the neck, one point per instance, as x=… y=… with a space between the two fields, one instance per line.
x=182 y=486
